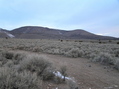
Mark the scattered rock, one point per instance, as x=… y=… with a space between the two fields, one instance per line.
x=56 y=87
x=107 y=70
x=115 y=86
x=105 y=67
x=111 y=87
x=89 y=66
x=49 y=85
x=79 y=83
x=76 y=88
x=108 y=87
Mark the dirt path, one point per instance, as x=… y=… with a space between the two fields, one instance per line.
x=88 y=75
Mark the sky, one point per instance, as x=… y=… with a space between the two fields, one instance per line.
x=97 y=16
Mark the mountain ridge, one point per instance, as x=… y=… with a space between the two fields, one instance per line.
x=38 y=32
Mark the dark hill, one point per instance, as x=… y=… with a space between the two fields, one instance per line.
x=36 y=32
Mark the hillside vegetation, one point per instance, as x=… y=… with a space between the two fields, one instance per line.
x=105 y=52
x=22 y=66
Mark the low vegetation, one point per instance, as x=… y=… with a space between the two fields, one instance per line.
x=20 y=70
x=25 y=71
x=12 y=79
x=117 y=42
x=106 y=53
x=10 y=75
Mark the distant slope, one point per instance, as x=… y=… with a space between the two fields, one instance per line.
x=42 y=32
x=36 y=32
x=82 y=34
x=4 y=33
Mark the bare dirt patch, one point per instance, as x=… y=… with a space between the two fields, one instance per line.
x=88 y=75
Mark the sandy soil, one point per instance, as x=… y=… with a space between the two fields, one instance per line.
x=88 y=75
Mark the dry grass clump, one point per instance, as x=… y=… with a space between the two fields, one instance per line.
x=39 y=65
x=25 y=72
x=117 y=42
x=61 y=75
x=74 y=52
x=104 y=58
x=9 y=56
x=63 y=70
x=87 y=49
x=117 y=64
x=11 y=79
x=116 y=52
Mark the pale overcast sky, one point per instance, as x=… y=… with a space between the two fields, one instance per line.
x=96 y=16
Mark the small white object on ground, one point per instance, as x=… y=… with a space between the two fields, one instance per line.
x=58 y=74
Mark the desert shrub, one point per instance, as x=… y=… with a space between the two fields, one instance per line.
x=48 y=74
x=56 y=51
x=63 y=70
x=60 y=76
x=117 y=42
x=20 y=47
x=38 y=64
x=80 y=41
x=117 y=64
x=53 y=51
x=116 y=52
x=110 y=41
x=0 y=64
x=100 y=42
x=74 y=52
x=18 y=57
x=15 y=57
x=104 y=58
x=3 y=60
x=9 y=63
x=66 y=48
x=8 y=55
x=36 y=49
x=11 y=79
x=92 y=56
x=61 y=40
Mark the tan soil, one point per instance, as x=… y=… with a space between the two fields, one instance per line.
x=88 y=75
